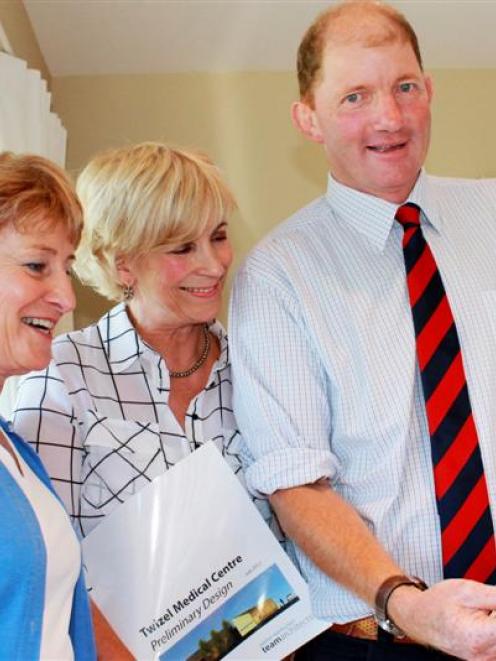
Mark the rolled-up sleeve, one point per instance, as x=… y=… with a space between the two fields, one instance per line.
x=281 y=390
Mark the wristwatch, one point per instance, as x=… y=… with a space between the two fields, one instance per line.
x=382 y=597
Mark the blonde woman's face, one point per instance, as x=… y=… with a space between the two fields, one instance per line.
x=183 y=285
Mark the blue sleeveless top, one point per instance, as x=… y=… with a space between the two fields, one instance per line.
x=23 y=567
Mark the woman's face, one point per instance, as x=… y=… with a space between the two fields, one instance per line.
x=35 y=291
x=182 y=285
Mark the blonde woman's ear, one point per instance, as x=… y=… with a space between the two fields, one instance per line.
x=124 y=269
x=127 y=279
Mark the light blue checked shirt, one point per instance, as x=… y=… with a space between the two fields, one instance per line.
x=326 y=383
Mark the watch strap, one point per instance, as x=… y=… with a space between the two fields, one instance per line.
x=384 y=592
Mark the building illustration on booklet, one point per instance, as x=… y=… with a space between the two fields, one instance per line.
x=243 y=614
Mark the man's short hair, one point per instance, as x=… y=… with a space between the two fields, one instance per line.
x=338 y=24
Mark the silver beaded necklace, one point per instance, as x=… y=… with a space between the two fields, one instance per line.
x=203 y=357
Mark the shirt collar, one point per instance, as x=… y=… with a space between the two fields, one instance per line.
x=124 y=345
x=372 y=216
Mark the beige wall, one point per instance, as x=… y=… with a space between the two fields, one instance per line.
x=242 y=121
x=464 y=124
x=17 y=26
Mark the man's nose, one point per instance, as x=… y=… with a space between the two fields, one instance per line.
x=388 y=113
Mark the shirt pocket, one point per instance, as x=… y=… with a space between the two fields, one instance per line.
x=121 y=457
x=480 y=362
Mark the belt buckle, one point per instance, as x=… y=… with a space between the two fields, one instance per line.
x=366 y=628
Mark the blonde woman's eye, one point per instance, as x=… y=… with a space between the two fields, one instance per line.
x=182 y=250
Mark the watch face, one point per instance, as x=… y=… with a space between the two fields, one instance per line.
x=391 y=628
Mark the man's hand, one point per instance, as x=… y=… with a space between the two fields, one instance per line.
x=454 y=616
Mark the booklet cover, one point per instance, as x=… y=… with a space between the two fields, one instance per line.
x=187 y=569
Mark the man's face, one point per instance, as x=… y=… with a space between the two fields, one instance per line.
x=372 y=114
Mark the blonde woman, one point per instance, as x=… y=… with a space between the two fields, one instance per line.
x=126 y=398
x=131 y=395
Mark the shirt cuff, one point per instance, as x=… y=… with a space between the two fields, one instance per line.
x=291 y=467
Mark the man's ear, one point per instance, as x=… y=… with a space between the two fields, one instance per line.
x=305 y=121
x=429 y=86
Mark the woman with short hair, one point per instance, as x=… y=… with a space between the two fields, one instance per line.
x=128 y=397
x=132 y=394
x=44 y=609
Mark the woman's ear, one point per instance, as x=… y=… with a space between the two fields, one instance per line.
x=125 y=271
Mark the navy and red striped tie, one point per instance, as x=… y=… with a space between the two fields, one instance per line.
x=467 y=542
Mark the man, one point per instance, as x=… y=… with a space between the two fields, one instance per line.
x=350 y=388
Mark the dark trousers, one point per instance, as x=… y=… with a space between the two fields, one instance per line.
x=332 y=646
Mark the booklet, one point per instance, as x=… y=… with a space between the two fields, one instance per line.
x=187 y=569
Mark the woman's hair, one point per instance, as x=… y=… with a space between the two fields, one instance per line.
x=138 y=197
x=37 y=194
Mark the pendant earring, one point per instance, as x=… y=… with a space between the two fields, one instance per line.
x=128 y=292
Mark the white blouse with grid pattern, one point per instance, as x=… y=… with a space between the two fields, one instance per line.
x=98 y=416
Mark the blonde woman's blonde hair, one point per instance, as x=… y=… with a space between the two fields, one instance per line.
x=138 y=197
x=36 y=194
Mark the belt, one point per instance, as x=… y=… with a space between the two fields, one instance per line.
x=367 y=629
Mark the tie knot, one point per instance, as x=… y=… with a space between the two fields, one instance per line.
x=408 y=215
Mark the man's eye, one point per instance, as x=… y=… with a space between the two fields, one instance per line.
x=406 y=87
x=353 y=98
